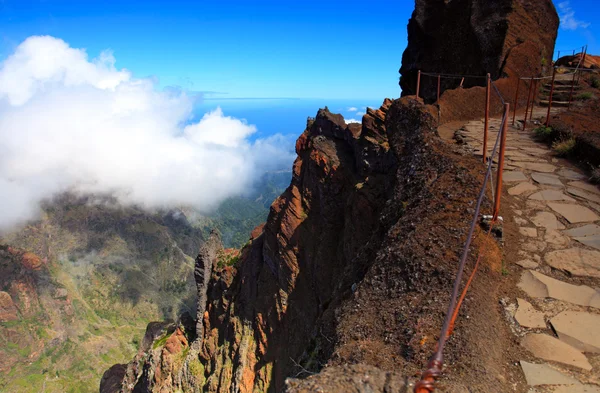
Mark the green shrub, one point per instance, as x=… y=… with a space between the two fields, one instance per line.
x=586 y=95
x=543 y=133
x=160 y=342
x=595 y=82
x=564 y=147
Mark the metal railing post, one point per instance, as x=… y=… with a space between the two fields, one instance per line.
x=487 y=116
x=418 y=83
x=550 y=98
x=498 y=194
x=527 y=106
x=572 y=90
x=533 y=95
x=516 y=101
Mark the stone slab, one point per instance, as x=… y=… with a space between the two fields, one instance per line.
x=529 y=232
x=590 y=241
x=535 y=166
x=586 y=230
x=521 y=188
x=520 y=221
x=545 y=178
x=574 y=213
x=547 y=347
x=515 y=153
x=585 y=186
x=541 y=286
x=556 y=238
x=547 y=220
x=542 y=374
x=577 y=261
x=570 y=174
x=551 y=195
x=526 y=159
x=536 y=151
x=575 y=388
x=578 y=329
x=527 y=316
x=513 y=176
x=534 y=245
x=527 y=264
x=584 y=194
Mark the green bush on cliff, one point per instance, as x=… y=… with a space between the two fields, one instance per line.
x=197 y=370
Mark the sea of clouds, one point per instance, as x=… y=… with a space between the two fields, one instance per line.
x=68 y=123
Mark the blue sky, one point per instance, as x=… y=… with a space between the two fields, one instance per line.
x=304 y=49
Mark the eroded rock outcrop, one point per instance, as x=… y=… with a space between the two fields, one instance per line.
x=506 y=38
x=353 y=266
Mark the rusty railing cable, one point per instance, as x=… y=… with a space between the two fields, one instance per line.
x=434 y=367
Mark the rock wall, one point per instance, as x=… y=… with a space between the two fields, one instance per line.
x=506 y=38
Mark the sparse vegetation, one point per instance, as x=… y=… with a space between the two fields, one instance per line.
x=197 y=370
x=160 y=342
x=595 y=82
x=564 y=147
x=228 y=257
x=543 y=133
x=586 y=95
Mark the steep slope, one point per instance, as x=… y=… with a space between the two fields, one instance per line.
x=354 y=266
x=78 y=287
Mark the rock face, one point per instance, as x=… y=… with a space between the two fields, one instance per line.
x=353 y=266
x=590 y=62
x=476 y=37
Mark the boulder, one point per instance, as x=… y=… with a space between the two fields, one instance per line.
x=8 y=311
x=476 y=37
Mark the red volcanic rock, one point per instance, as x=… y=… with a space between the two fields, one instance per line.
x=176 y=342
x=8 y=311
x=476 y=37
x=590 y=61
x=31 y=261
x=256 y=232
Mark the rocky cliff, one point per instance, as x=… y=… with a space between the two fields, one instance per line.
x=505 y=38
x=353 y=266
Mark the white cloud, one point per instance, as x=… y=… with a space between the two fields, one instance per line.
x=348 y=121
x=567 y=17
x=352 y=109
x=360 y=113
x=68 y=123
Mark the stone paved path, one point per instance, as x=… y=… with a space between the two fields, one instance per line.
x=555 y=309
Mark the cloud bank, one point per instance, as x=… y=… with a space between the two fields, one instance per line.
x=70 y=123
x=567 y=17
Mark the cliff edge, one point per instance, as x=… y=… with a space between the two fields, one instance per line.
x=353 y=267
